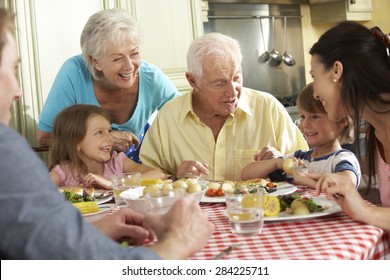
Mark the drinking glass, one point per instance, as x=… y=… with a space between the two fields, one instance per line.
x=245 y=212
x=122 y=182
x=159 y=202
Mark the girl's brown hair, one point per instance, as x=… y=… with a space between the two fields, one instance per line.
x=70 y=127
x=307 y=102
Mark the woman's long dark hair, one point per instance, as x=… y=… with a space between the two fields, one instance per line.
x=366 y=76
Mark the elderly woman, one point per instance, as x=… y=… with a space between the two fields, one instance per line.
x=111 y=74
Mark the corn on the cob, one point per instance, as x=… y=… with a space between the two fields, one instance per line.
x=151 y=182
x=87 y=207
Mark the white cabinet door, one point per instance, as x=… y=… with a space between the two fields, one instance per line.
x=169 y=26
x=337 y=11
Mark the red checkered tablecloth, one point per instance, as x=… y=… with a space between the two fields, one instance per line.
x=329 y=237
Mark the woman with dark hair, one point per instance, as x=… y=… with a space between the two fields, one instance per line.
x=351 y=70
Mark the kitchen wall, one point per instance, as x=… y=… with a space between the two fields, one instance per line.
x=311 y=32
x=260 y=28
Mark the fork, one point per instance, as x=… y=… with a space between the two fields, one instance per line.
x=226 y=251
x=103 y=194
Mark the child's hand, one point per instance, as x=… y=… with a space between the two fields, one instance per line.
x=92 y=179
x=267 y=153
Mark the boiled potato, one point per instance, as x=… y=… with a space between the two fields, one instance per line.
x=167 y=187
x=180 y=184
x=191 y=181
x=214 y=185
x=152 y=190
x=194 y=188
x=227 y=186
x=296 y=203
x=301 y=210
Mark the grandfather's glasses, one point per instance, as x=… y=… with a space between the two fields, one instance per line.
x=384 y=38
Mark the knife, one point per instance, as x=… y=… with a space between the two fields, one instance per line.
x=226 y=251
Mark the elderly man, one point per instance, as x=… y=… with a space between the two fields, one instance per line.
x=217 y=128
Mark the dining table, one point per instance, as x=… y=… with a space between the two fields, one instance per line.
x=334 y=236
x=329 y=237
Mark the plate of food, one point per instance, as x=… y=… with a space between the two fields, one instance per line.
x=296 y=207
x=317 y=206
x=78 y=194
x=102 y=211
x=216 y=190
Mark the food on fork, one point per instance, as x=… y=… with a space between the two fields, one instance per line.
x=293 y=164
x=289 y=165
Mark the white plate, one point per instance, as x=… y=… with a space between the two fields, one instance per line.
x=281 y=189
x=330 y=207
x=102 y=200
x=216 y=199
x=103 y=209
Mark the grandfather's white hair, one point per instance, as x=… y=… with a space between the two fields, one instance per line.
x=215 y=44
x=104 y=28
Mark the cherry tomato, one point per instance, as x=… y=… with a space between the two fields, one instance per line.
x=220 y=192
x=271 y=185
x=210 y=192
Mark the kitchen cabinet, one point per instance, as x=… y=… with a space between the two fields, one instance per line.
x=333 y=11
x=49 y=33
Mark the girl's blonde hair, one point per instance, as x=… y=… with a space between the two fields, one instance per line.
x=307 y=102
x=70 y=127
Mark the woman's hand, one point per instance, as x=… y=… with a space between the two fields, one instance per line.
x=92 y=179
x=341 y=187
x=182 y=231
x=123 y=140
x=192 y=168
x=125 y=225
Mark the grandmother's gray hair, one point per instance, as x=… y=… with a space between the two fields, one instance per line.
x=215 y=44
x=103 y=29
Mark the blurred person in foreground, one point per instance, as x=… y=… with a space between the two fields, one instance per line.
x=110 y=74
x=214 y=130
x=37 y=223
x=350 y=66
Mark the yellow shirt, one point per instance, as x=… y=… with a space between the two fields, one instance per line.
x=177 y=134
